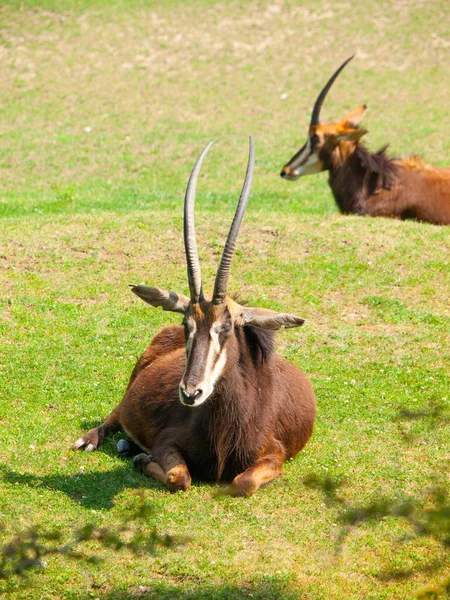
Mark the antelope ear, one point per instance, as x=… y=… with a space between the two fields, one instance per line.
x=350 y=135
x=269 y=319
x=156 y=297
x=353 y=118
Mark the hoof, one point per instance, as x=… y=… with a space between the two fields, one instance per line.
x=242 y=486
x=123 y=447
x=86 y=443
x=127 y=447
x=141 y=461
x=91 y=440
x=78 y=444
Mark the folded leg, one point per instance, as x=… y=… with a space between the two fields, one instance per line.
x=166 y=465
x=266 y=468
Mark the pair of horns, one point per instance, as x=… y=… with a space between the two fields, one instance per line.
x=190 y=243
x=315 y=117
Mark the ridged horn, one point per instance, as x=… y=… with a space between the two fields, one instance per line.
x=223 y=272
x=315 y=117
x=190 y=243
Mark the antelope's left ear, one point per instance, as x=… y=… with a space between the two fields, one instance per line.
x=268 y=319
x=353 y=118
x=157 y=297
x=350 y=135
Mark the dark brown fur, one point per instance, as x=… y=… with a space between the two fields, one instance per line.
x=211 y=398
x=373 y=184
x=262 y=407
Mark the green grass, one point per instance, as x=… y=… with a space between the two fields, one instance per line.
x=104 y=108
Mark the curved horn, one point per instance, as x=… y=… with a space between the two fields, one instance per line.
x=221 y=283
x=190 y=243
x=320 y=99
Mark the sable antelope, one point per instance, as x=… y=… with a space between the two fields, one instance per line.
x=366 y=183
x=210 y=398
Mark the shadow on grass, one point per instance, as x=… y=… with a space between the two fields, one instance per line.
x=399 y=574
x=95 y=490
x=268 y=588
x=428 y=514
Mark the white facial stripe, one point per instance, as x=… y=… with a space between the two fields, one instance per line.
x=211 y=365
x=308 y=147
x=311 y=164
x=214 y=364
x=211 y=375
x=192 y=328
x=303 y=157
x=214 y=339
x=311 y=160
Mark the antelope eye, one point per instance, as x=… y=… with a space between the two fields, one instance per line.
x=226 y=328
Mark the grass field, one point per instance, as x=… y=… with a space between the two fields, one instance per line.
x=104 y=107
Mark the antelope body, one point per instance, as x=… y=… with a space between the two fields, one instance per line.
x=367 y=183
x=210 y=398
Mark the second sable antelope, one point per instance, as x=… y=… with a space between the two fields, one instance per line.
x=210 y=398
x=367 y=183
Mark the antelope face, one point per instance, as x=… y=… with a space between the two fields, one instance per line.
x=306 y=161
x=208 y=328
x=313 y=157
x=210 y=331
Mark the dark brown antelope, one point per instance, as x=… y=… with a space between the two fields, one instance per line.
x=366 y=183
x=211 y=398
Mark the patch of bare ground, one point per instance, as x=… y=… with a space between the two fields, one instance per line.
x=82 y=86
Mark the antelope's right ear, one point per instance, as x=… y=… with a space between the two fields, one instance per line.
x=156 y=297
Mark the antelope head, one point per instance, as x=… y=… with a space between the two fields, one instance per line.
x=323 y=138
x=210 y=323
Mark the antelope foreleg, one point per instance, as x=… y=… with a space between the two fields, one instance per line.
x=267 y=468
x=92 y=439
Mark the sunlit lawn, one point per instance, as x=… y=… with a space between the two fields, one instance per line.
x=103 y=110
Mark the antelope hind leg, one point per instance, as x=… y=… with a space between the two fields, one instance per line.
x=92 y=439
x=169 y=468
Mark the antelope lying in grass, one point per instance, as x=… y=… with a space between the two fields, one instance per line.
x=211 y=398
x=366 y=183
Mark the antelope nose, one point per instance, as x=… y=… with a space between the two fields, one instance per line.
x=283 y=173
x=189 y=398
